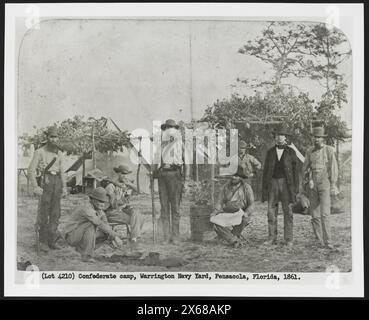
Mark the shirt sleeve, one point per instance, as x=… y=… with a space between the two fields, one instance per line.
x=333 y=167
x=249 y=195
x=306 y=164
x=130 y=185
x=255 y=162
x=98 y=220
x=32 y=169
x=220 y=201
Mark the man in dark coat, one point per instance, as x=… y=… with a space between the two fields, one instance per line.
x=280 y=183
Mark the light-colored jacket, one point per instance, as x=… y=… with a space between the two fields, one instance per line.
x=86 y=214
x=323 y=165
x=41 y=158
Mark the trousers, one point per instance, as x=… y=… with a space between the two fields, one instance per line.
x=48 y=214
x=279 y=192
x=170 y=189
x=85 y=238
x=320 y=209
x=231 y=234
x=127 y=216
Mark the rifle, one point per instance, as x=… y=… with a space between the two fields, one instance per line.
x=37 y=228
x=153 y=207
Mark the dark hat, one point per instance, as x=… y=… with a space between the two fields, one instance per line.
x=122 y=169
x=240 y=173
x=99 y=194
x=282 y=130
x=52 y=132
x=170 y=123
x=318 y=132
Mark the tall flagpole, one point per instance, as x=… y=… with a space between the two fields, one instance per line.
x=191 y=92
x=190 y=43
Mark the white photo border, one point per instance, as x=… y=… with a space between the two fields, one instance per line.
x=312 y=284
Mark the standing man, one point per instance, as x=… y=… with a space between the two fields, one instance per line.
x=88 y=226
x=248 y=162
x=49 y=160
x=172 y=173
x=280 y=183
x=321 y=163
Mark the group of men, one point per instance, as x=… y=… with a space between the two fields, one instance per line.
x=91 y=223
x=283 y=182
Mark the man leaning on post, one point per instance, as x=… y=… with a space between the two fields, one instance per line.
x=88 y=226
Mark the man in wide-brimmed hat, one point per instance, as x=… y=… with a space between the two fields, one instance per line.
x=88 y=226
x=119 y=209
x=321 y=163
x=280 y=183
x=170 y=123
x=172 y=174
x=122 y=180
x=236 y=202
x=49 y=160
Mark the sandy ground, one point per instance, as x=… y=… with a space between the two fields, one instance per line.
x=209 y=255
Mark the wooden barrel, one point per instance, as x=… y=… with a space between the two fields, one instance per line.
x=200 y=221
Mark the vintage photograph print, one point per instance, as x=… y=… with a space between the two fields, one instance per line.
x=183 y=147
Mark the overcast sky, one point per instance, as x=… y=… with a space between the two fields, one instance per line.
x=134 y=71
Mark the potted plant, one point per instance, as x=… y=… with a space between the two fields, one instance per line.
x=200 y=209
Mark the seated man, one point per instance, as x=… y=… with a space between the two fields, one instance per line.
x=88 y=226
x=236 y=203
x=118 y=209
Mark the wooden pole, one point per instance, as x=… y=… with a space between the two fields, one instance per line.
x=93 y=153
x=83 y=175
x=338 y=161
x=212 y=175
x=153 y=208
x=139 y=165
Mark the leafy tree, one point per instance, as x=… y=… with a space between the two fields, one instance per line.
x=282 y=46
x=256 y=116
x=329 y=48
x=312 y=51
x=75 y=136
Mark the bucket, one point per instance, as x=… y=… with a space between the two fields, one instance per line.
x=200 y=221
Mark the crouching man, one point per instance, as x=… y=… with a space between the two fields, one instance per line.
x=89 y=226
x=233 y=209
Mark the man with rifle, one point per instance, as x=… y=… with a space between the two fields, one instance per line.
x=172 y=174
x=49 y=161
